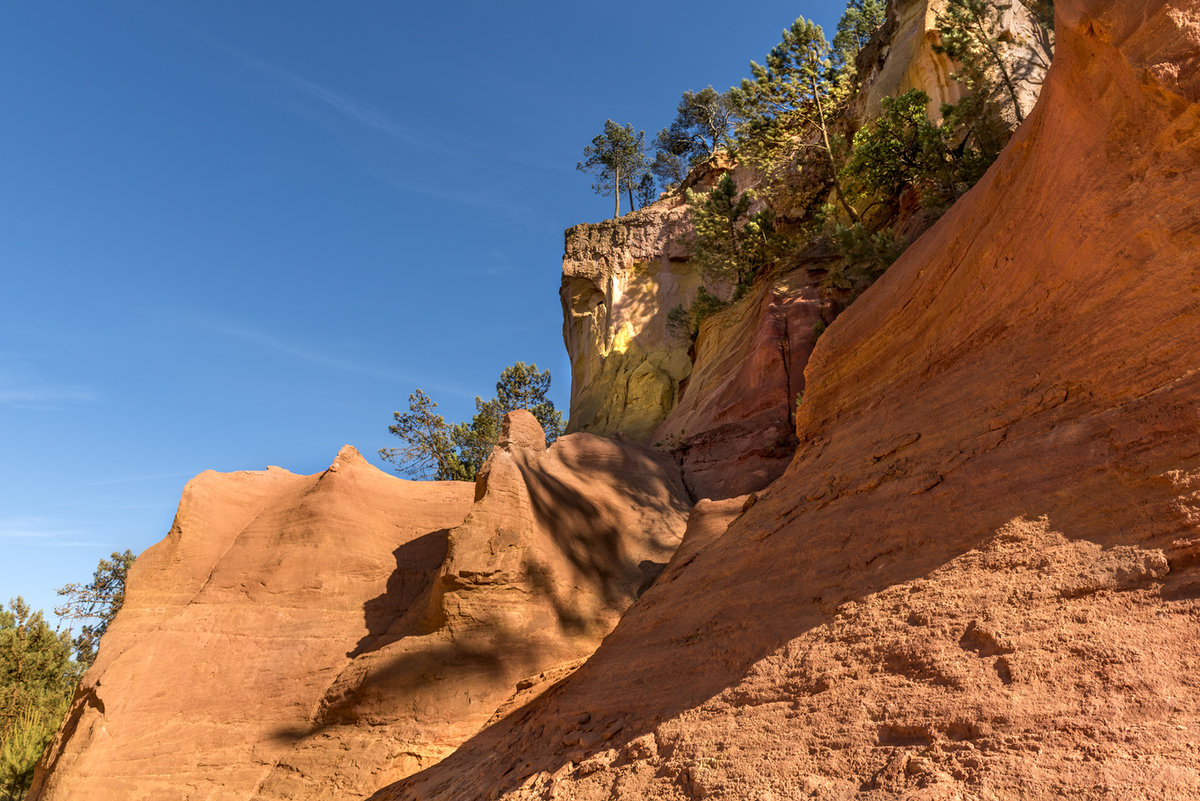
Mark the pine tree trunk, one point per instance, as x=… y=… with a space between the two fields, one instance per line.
x=837 y=185
x=617 y=193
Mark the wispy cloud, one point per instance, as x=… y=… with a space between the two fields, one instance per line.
x=314 y=355
x=40 y=531
x=42 y=396
x=134 y=479
x=349 y=107
x=485 y=198
x=22 y=387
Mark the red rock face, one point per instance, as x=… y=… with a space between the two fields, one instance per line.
x=732 y=429
x=979 y=577
x=317 y=636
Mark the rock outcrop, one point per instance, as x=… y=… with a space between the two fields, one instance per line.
x=732 y=430
x=903 y=56
x=725 y=406
x=319 y=636
x=619 y=278
x=979 y=578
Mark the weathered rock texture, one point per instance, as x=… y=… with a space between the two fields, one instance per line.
x=980 y=577
x=319 y=636
x=620 y=278
x=725 y=408
x=902 y=56
x=733 y=427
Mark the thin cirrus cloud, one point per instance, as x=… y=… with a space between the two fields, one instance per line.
x=28 y=392
x=348 y=107
x=272 y=343
x=40 y=531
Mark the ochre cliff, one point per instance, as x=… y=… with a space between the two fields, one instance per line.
x=620 y=278
x=725 y=406
x=903 y=56
x=980 y=576
x=319 y=636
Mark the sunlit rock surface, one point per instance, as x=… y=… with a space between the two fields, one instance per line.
x=980 y=577
x=316 y=636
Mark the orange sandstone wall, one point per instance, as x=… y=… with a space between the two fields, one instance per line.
x=980 y=576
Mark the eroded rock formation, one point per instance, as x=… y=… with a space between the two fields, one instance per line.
x=620 y=277
x=979 y=577
x=318 y=636
x=903 y=56
x=725 y=407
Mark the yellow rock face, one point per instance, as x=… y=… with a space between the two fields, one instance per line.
x=909 y=60
x=620 y=278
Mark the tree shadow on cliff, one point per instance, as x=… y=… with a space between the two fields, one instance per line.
x=788 y=566
x=398 y=611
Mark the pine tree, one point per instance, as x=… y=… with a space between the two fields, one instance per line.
x=617 y=158
x=799 y=84
x=429 y=450
x=856 y=27
x=436 y=449
x=704 y=123
x=37 y=679
x=730 y=244
x=970 y=31
x=100 y=600
x=522 y=386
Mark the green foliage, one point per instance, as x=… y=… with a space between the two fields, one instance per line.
x=866 y=254
x=730 y=243
x=647 y=190
x=435 y=449
x=428 y=452
x=797 y=75
x=902 y=148
x=670 y=168
x=37 y=678
x=860 y=21
x=522 y=386
x=476 y=439
x=970 y=31
x=685 y=323
x=617 y=159
x=704 y=123
x=801 y=89
x=98 y=600
x=22 y=747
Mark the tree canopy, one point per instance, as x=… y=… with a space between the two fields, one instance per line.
x=704 y=123
x=799 y=87
x=971 y=35
x=37 y=679
x=98 y=600
x=435 y=449
x=730 y=244
x=856 y=27
x=617 y=159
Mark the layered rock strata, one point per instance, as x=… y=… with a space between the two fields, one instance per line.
x=319 y=636
x=725 y=406
x=980 y=577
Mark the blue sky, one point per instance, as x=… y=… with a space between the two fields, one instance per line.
x=240 y=234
